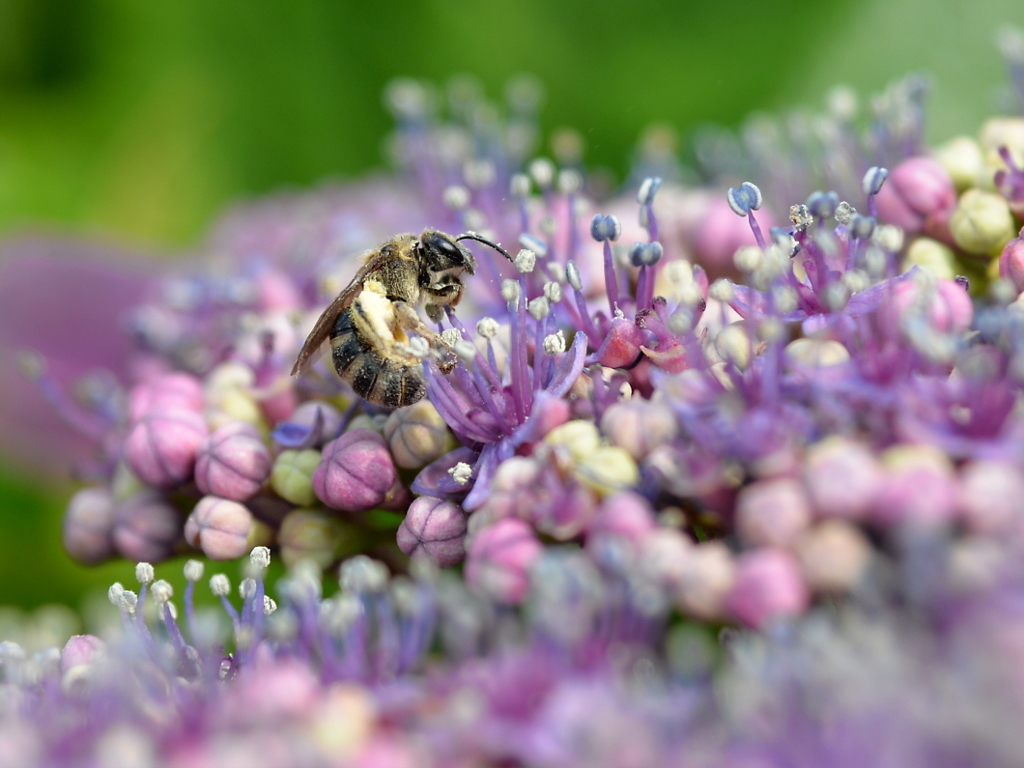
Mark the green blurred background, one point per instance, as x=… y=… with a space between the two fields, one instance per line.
x=136 y=122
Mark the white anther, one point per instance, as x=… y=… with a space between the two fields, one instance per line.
x=539 y=308
x=844 y=213
x=194 y=570
x=543 y=172
x=487 y=327
x=553 y=292
x=569 y=181
x=144 y=573
x=269 y=606
x=461 y=473
x=114 y=593
x=554 y=344
x=162 y=590
x=784 y=298
x=260 y=557
x=418 y=346
x=247 y=589
x=220 y=585
x=888 y=237
x=510 y=291
x=526 y=260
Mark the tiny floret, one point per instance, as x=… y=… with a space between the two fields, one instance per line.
x=487 y=327
x=874 y=179
x=220 y=585
x=194 y=570
x=648 y=189
x=144 y=573
x=526 y=260
x=259 y=557
x=554 y=344
x=604 y=228
x=461 y=473
x=162 y=590
x=745 y=199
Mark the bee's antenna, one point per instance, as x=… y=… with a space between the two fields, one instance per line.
x=488 y=243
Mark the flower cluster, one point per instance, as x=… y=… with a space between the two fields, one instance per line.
x=788 y=423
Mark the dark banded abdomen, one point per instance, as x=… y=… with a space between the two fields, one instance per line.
x=373 y=376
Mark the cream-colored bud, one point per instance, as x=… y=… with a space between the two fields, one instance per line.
x=733 y=344
x=816 y=353
x=982 y=223
x=962 y=159
x=931 y=255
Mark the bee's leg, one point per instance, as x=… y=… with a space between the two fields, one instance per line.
x=410 y=322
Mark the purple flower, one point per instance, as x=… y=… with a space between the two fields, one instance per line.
x=162 y=444
x=147 y=527
x=220 y=527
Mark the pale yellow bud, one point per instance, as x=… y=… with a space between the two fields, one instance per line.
x=982 y=223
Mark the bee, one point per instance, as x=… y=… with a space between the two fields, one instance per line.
x=369 y=322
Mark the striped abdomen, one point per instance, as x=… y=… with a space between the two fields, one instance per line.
x=374 y=376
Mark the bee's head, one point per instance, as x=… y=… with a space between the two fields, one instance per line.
x=438 y=253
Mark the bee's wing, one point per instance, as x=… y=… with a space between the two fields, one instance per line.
x=316 y=342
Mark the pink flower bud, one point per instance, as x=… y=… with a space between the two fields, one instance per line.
x=918 y=195
x=1011 y=262
x=625 y=514
x=920 y=486
x=768 y=585
x=772 y=512
x=436 y=527
x=89 y=526
x=639 y=426
x=842 y=478
x=233 y=462
x=220 y=527
x=161 y=446
x=621 y=347
x=147 y=528
x=991 y=495
x=721 y=233
x=278 y=403
x=355 y=472
x=833 y=556
x=946 y=304
x=498 y=560
x=178 y=389
x=80 y=650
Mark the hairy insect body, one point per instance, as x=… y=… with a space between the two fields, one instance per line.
x=370 y=351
